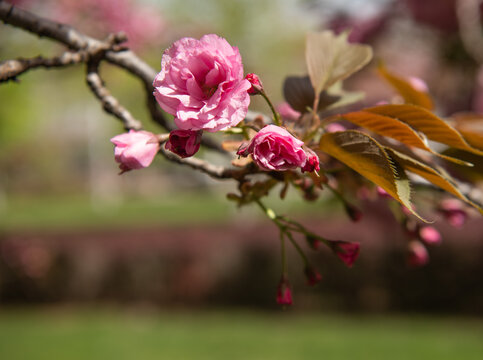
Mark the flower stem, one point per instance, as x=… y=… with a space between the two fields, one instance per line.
x=298 y=248
x=276 y=116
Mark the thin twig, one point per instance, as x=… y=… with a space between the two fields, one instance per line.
x=10 y=69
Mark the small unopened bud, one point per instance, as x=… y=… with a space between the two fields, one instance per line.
x=312 y=275
x=417 y=254
x=257 y=86
x=184 y=143
x=284 y=292
x=346 y=251
x=312 y=162
x=313 y=242
x=418 y=84
x=354 y=213
x=430 y=235
x=453 y=212
x=383 y=193
x=335 y=127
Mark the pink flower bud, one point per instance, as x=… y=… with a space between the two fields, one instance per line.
x=313 y=242
x=335 y=127
x=354 y=213
x=284 y=293
x=417 y=254
x=312 y=275
x=184 y=143
x=135 y=149
x=312 y=162
x=257 y=86
x=418 y=84
x=287 y=112
x=430 y=235
x=383 y=193
x=348 y=252
x=453 y=212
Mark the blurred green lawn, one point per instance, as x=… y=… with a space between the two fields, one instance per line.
x=50 y=212
x=115 y=334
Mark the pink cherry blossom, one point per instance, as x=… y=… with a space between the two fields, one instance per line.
x=201 y=83
x=430 y=235
x=417 y=254
x=184 y=143
x=346 y=251
x=287 y=112
x=274 y=148
x=135 y=149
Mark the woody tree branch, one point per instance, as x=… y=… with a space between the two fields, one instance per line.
x=83 y=48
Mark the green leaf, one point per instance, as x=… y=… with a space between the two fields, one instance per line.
x=406 y=90
x=331 y=58
x=366 y=156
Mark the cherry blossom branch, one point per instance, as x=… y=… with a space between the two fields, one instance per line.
x=76 y=40
x=109 y=103
x=10 y=69
x=214 y=171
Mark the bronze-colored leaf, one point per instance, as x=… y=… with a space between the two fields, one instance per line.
x=410 y=94
x=394 y=128
x=470 y=125
x=426 y=122
x=366 y=156
x=432 y=175
x=331 y=58
x=299 y=93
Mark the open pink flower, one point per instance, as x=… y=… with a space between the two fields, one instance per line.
x=135 y=149
x=346 y=251
x=274 y=148
x=201 y=83
x=184 y=143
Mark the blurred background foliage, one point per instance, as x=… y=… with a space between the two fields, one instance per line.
x=74 y=232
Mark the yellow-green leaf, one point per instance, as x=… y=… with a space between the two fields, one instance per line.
x=394 y=128
x=433 y=176
x=426 y=122
x=366 y=156
x=331 y=58
x=410 y=94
